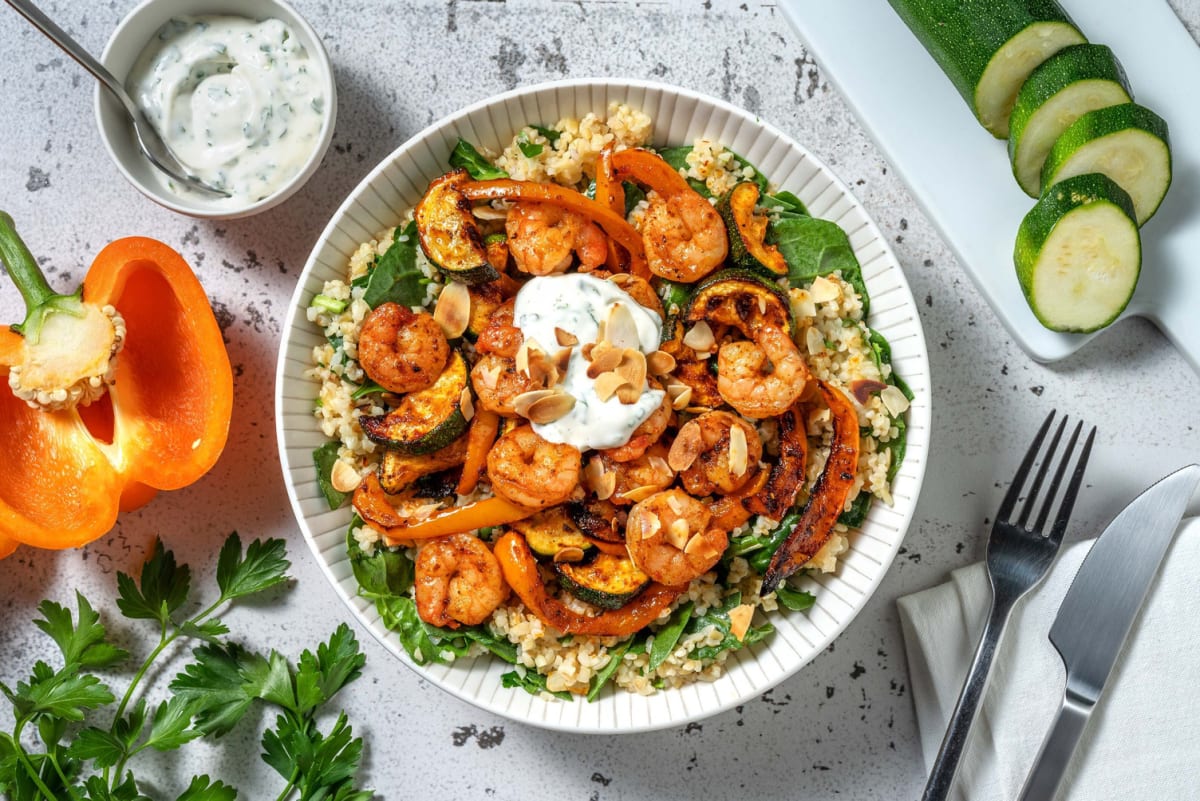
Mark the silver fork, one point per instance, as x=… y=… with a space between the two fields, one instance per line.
x=1018 y=557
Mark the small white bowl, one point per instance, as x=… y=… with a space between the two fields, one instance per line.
x=122 y=51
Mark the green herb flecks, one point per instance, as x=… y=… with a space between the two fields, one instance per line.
x=78 y=756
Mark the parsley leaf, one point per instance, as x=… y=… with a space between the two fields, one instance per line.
x=265 y=566
x=170 y=727
x=65 y=695
x=466 y=156
x=164 y=587
x=336 y=664
x=82 y=644
x=203 y=788
x=324 y=762
x=395 y=277
x=104 y=748
x=217 y=682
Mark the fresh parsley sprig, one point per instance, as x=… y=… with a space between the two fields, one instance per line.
x=207 y=698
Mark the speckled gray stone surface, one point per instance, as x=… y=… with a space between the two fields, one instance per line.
x=842 y=727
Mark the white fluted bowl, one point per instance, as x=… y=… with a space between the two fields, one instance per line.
x=679 y=117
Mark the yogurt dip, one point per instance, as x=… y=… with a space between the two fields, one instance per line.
x=577 y=303
x=239 y=101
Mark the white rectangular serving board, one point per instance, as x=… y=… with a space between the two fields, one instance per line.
x=961 y=176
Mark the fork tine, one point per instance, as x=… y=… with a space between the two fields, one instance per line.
x=1064 y=512
x=1014 y=491
x=1047 y=458
x=1058 y=476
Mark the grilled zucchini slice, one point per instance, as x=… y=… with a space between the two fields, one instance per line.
x=448 y=233
x=740 y=298
x=606 y=581
x=398 y=471
x=747 y=227
x=551 y=531
x=427 y=420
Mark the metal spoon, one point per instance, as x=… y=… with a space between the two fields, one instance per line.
x=150 y=143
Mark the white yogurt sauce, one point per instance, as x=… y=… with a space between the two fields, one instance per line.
x=577 y=303
x=237 y=100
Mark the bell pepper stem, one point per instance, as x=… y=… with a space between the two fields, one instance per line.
x=40 y=298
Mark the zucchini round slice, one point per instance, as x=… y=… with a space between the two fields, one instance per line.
x=987 y=48
x=747 y=227
x=1072 y=82
x=606 y=581
x=427 y=420
x=1078 y=254
x=1128 y=143
x=740 y=298
x=551 y=531
x=399 y=471
x=448 y=233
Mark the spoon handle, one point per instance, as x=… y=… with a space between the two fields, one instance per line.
x=72 y=48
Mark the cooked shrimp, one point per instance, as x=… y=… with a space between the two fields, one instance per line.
x=637 y=478
x=645 y=435
x=717 y=461
x=458 y=581
x=669 y=538
x=401 y=350
x=684 y=236
x=763 y=378
x=543 y=238
x=495 y=378
x=528 y=470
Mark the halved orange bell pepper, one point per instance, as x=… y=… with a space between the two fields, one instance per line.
x=162 y=423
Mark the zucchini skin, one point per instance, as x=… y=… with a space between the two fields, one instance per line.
x=962 y=36
x=1102 y=122
x=606 y=581
x=747 y=249
x=448 y=234
x=427 y=420
x=1071 y=65
x=1055 y=204
x=735 y=294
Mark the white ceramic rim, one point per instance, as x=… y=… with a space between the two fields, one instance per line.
x=161 y=195
x=794 y=643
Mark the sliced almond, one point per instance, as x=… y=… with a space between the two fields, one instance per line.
x=632 y=367
x=466 y=403
x=599 y=480
x=490 y=376
x=542 y=369
x=651 y=526
x=568 y=554
x=673 y=502
x=607 y=385
x=453 y=310
x=562 y=359
x=762 y=305
x=621 y=279
x=814 y=341
x=700 y=338
x=660 y=363
x=894 y=400
x=863 y=388
x=688 y=445
x=737 y=450
x=639 y=494
x=699 y=547
x=802 y=304
x=586 y=350
x=659 y=465
x=565 y=338
x=822 y=290
x=550 y=408
x=343 y=477
x=682 y=400
x=523 y=402
x=604 y=358
x=522 y=360
x=739 y=620
x=620 y=327
x=678 y=533
x=628 y=393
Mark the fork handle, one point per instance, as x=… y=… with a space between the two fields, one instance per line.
x=945 y=766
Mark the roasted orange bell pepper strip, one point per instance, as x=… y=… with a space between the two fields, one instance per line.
x=521 y=572
x=494 y=511
x=829 y=493
x=611 y=193
x=157 y=418
x=613 y=224
x=650 y=170
x=482 y=435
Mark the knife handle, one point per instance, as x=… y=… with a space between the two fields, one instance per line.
x=1055 y=755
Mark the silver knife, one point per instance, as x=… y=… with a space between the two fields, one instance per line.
x=1098 y=612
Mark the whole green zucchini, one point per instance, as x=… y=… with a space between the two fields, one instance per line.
x=987 y=48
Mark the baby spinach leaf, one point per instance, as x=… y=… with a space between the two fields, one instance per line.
x=324 y=458
x=395 y=277
x=531 y=682
x=666 y=638
x=530 y=150
x=399 y=613
x=719 y=617
x=784 y=204
x=857 y=513
x=550 y=134
x=368 y=387
x=382 y=573
x=793 y=599
x=616 y=655
x=814 y=247
x=677 y=158
x=467 y=157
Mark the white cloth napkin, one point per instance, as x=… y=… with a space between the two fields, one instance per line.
x=1143 y=742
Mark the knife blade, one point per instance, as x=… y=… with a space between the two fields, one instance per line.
x=1098 y=613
